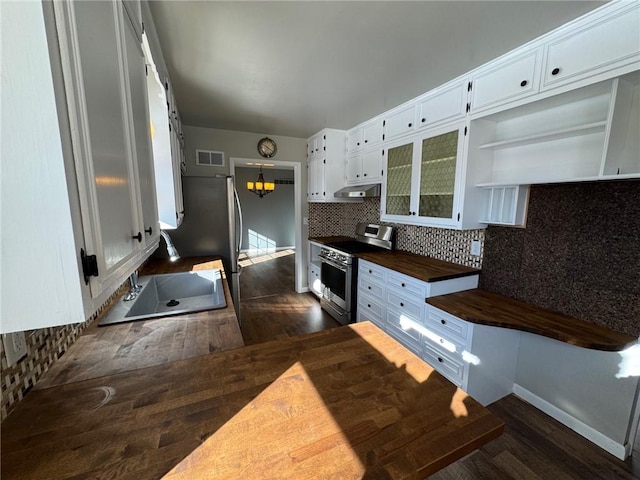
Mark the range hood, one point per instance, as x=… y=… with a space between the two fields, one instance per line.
x=359 y=191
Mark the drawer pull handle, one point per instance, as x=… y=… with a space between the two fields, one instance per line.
x=555 y=71
x=523 y=83
x=443 y=322
x=440 y=359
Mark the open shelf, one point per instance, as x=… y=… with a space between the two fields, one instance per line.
x=578 y=130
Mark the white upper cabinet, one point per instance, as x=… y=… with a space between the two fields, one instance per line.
x=41 y=286
x=444 y=104
x=400 y=122
x=365 y=136
x=103 y=70
x=326 y=167
x=605 y=45
x=364 y=167
x=512 y=78
x=425 y=179
x=137 y=79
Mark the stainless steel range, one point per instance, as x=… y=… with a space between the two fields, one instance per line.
x=339 y=269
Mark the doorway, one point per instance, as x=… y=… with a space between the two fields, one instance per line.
x=296 y=169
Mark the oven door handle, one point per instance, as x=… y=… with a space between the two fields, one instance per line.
x=340 y=267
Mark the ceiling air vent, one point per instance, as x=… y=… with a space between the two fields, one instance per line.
x=209 y=158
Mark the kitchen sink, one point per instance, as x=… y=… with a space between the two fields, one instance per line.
x=170 y=294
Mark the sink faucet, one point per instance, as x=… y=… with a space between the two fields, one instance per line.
x=135 y=287
x=171 y=249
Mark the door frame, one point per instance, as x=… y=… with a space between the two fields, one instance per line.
x=300 y=268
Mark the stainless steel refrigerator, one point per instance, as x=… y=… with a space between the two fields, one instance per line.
x=212 y=225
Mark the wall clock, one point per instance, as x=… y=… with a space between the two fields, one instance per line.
x=267 y=147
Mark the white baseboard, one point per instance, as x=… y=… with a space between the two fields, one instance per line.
x=617 y=449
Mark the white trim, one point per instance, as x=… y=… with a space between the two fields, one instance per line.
x=300 y=270
x=591 y=434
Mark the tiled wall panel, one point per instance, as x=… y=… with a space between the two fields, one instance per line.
x=579 y=254
x=326 y=219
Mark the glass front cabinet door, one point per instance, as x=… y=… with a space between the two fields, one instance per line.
x=423 y=180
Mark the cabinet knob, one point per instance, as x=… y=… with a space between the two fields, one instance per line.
x=555 y=71
x=357 y=175
x=440 y=359
x=401 y=304
x=370 y=271
x=368 y=305
x=358 y=143
x=149 y=230
x=402 y=284
x=423 y=120
x=365 y=174
x=366 y=141
x=523 y=83
x=369 y=288
x=443 y=321
x=138 y=237
x=410 y=125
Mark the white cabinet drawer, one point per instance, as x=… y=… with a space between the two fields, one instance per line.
x=446 y=364
x=369 y=310
x=372 y=272
x=369 y=304
x=508 y=80
x=405 y=305
x=408 y=285
x=410 y=337
x=400 y=122
x=450 y=327
x=371 y=288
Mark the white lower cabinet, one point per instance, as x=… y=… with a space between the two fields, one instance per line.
x=481 y=360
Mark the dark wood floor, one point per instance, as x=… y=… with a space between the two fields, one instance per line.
x=270 y=307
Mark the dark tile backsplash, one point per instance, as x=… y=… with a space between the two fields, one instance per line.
x=579 y=253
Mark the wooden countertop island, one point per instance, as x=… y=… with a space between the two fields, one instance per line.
x=348 y=403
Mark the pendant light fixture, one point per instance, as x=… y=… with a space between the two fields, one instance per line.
x=260 y=187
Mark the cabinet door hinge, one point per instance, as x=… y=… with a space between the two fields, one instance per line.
x=468 y=107
x=89 y=265
x=469 y=86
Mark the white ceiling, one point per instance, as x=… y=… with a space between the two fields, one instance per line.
x=293 y=68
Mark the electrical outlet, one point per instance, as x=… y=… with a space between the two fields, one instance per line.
x=15 y=347
x=475 y=248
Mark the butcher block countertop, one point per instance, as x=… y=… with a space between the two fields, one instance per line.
x=349 y=402
x=423 y=268
x=488 y=308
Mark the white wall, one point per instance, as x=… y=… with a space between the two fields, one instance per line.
x=273 y=215
x=242 y=145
